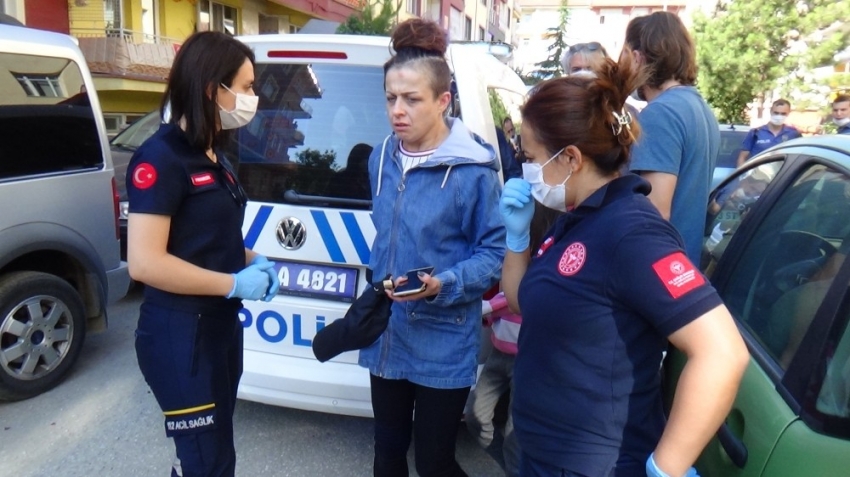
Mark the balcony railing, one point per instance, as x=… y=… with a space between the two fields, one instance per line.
x=126 y=53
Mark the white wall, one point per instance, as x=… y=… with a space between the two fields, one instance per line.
x=14 y=8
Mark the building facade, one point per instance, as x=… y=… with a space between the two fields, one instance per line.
x=130 y=44
x=603 y=21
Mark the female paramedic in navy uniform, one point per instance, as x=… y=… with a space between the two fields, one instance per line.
x=435 y=196
x=600 y=298
x=185 y=245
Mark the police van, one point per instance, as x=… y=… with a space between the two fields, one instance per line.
x=303 y=162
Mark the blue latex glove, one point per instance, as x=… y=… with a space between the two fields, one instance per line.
x=252 y=283
x=517 y=208
x=652 y=469
x=274 y=286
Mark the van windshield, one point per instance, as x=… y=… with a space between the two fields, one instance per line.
x=311 y=138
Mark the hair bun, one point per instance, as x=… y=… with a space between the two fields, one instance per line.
x=416 y=33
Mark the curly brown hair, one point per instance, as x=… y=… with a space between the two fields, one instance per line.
x=421 y=44
x=587 y=112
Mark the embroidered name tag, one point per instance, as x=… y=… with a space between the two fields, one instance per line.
x=202 y=179
x=195 y=420
x=678 y=274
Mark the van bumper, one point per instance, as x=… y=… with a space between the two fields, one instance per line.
x=300 y=383
x=117 y=282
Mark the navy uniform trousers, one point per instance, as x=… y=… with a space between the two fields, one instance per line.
x=192 y=363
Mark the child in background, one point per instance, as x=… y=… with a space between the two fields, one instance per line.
x=496 y=378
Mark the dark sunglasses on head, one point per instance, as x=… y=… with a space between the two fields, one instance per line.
x=592 y=46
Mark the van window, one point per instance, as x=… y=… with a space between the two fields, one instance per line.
x=315 y=127
x=46 y=117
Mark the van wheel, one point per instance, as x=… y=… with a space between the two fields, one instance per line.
x=42 y=328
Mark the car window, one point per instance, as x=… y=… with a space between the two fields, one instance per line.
x=730 y=146
x=315 y=127
x=135 y=134
x=790 y=262
x=728 y=206
x=47 y=121
x=834 y=395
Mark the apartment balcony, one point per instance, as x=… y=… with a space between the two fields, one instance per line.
x=127 y=54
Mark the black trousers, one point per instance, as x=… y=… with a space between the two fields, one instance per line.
x=430 y=415
x=192 y=364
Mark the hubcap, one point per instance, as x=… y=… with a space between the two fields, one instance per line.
x=34 y=337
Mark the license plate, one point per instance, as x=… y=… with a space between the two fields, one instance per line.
x=316 y=281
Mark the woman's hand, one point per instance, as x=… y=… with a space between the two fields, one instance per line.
x=433 y=285
x=517 y=209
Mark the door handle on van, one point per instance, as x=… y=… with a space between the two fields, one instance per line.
x=733 y=446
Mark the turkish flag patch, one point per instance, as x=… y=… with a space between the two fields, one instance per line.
x=678 y=274
x=202 y=179
x=572 y=260
x=144 y=176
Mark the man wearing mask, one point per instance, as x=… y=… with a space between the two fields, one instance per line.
x=681 y=138
x=771 y=134
x=841 y=113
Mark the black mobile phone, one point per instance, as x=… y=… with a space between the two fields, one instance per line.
x=414 y=284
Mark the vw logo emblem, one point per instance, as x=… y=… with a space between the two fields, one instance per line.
x=291 y=233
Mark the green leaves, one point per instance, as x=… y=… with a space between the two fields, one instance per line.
x=551 y=66
x=745 y=46
x=370 y=22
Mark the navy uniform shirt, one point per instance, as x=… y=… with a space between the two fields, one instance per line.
x=844 y=129
x=609 y=284
x=761 y=138
x=166 y=176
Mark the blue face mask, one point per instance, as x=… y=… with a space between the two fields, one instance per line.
x=553 y=197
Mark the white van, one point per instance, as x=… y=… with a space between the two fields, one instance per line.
x=303 y=163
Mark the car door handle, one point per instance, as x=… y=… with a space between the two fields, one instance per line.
x=733 y=445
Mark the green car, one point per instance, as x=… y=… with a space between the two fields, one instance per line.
x=776 y=237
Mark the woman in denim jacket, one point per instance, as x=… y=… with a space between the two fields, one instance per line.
x=435 y=193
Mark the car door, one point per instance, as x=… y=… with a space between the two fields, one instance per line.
x=773 y=239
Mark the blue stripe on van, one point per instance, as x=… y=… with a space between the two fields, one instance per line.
x=356 y=236
x=257 y=225
x=328 y=236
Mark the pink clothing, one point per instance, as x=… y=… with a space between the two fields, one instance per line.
x=504 y=323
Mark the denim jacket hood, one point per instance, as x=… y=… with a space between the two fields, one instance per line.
x=443 y=213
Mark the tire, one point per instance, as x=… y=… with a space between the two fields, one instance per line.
x=38 y=344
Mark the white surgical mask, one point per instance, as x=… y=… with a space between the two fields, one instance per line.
x=553 y=197
x=841 y=122
x=778 y=119
x=243 y=112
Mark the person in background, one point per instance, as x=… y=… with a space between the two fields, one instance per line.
x=586 y=58
x=681 y=138
x=601 y=297
x=841 y=113
x=583 y=57
x=185 y=244
x=435 y=192
x=507 y=157
x=496 y=378
x=770 y=134
x=512 y=134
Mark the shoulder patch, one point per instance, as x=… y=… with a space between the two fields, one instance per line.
x=678 y=274
x=144 y=175
x=573 y=259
